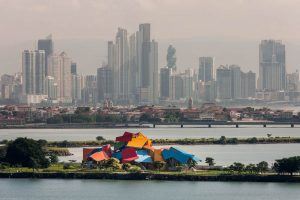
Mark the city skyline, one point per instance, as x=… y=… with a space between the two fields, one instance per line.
x=130 y=75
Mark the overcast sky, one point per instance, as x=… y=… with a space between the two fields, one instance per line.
x=251 y=20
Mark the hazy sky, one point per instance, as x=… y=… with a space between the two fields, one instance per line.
x=242 y=20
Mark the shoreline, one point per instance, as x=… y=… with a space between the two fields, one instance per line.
x=151 y=176
x=185 y=141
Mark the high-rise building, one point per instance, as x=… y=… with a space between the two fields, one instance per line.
x=76 y=88
x=104 y=83
x=121 y=67
x=248 y=84
x=272 y=70
x=46 y=45
x=7 y=86
x=236 y=89
x=153 y=73
x=171 y=57
x=206 y=67
x=188 y=83
x=60 y=69
x=33 y=68
x=224 y=84
x=51 y=88
x=73 y=68
x=165 y=74
x=89 y=92
x=292 y=81
x=133 y=69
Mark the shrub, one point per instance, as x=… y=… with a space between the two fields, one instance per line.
x=159 y=165
x=210 y=161
x=126 y=166
x=100 y=138
x=135 y=168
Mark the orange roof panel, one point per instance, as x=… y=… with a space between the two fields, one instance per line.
x=157 y=155
x=138 y=141
x=99 y=156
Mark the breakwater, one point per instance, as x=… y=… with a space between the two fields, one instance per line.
x=151 y=176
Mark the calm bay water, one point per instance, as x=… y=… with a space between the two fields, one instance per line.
x=46 y=189
x=171 y=132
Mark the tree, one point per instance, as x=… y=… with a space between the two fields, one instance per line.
x=262 y=167
x=2 y=153
x=26 y=153
x=223 y=140
x=289 y=165
x=210 y=161
x=53 y=158
x=239 y=167
x=251 y=168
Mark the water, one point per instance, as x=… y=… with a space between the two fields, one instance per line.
x=46 y=189
x=226 y=154
x=91 y=134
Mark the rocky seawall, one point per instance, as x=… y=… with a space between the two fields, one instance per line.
x=151 y=176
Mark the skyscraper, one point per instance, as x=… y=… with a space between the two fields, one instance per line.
x=51 y=87
x=133 y=69
x=144 y=31
x=272 y=71
x=224 y=84
x=206 y=67
x=89 y=92
x=121 y=67
x=76 y=88
x=248 y=84
x=73 y=68
x=236 y=89
x=165 y=74
x=60 y=69
x=46 y=45
x=104 y=83
x=33 y=68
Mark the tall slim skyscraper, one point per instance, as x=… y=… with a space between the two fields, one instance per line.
x=133 y=68
x=144 y=31
x=153 y=73
x=206 y=67
x=121 y=69
x=76 y=88
x=272 y=71
x=33 y=68
x=46 y=45
x=60 y=69
x=236 y=89
x=165 y=74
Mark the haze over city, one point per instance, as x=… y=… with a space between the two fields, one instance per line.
x=228 y=30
